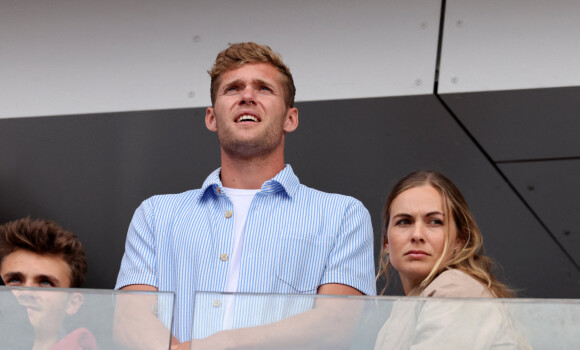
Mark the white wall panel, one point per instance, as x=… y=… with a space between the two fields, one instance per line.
x=338 y=49
x=73 y=57
x=510 y=44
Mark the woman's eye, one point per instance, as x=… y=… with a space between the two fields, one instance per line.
x=402 y=222
x=436 y=222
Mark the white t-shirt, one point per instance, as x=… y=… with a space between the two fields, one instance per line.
x=241 y=199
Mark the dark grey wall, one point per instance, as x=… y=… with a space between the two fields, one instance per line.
x=531 y=137
x=89 y=173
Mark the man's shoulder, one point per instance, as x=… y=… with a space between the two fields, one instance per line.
x=302 y=193
x=312 y=193
x=170 y=199
x=163 y=208
x=328 y=201
x=187 y=196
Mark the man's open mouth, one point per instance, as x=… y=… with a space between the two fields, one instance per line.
x=247 y=118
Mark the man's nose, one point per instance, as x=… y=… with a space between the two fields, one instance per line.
x=248 y=95
x=27 y=283
x=25 y=296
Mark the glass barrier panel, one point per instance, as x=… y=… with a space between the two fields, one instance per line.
x=63 y=319
x=269 y=321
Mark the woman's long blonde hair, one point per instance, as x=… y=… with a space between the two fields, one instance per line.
x=470 y=257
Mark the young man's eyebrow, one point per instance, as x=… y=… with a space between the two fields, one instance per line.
x=46 y=277
x=12 y=275
x=232 y=82
x=238 y=81
x=262 y=82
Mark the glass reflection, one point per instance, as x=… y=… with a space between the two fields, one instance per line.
x=47 y=310
x=83 y=319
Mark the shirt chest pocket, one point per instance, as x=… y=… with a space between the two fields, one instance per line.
x=301 y=263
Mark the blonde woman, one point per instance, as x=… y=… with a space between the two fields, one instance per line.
x=432 y=241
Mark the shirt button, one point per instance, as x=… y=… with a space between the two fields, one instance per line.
x=224 y=257
x=216 y=303
x=218 y=190
x=228 y=213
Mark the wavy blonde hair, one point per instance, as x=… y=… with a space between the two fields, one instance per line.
x=470 y=257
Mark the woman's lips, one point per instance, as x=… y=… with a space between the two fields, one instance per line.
x=416 y=253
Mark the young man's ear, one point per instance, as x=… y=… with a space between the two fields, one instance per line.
x=74 y=303
x=291 y=122
x=210 y=122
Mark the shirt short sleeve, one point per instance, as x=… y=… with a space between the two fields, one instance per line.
x=139 y=261
x=351 y=260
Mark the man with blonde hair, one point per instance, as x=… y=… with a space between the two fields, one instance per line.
x=251 y=227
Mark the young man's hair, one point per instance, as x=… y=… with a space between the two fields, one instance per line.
x=239 y=54
x=45 y=238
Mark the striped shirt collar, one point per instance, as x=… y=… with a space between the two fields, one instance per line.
x=285 y=181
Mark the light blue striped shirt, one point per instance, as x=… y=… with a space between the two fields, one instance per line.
x=296 y=239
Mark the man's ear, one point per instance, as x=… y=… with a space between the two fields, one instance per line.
x=291 y=122
x=210 y=121
x=74 y=303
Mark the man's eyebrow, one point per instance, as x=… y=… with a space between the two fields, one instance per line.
x=46 y=277
x=262 y=82
x=232 y=82
x=271 y=85
x=12 y=275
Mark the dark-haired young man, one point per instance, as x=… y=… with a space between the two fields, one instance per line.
x=39 y=253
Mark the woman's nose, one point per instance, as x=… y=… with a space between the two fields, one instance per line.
x=417 y=235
